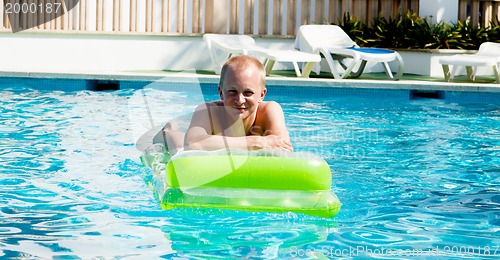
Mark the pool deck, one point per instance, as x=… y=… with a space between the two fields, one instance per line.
x=282 y=78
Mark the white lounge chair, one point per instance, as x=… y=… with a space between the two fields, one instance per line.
x=337 y=48
x=234 y=44
x=488 y=55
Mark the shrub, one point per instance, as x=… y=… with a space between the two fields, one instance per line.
x=410 y=31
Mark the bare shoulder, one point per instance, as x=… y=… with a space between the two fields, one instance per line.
x=270 y=104
x=272 y=120
x=270 y=113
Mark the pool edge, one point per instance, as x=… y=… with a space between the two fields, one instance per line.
x=275 y=81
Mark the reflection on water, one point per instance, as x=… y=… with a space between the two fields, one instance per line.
x=241 y=234
x=412 y=175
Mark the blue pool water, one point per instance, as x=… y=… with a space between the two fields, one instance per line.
x=417 y=177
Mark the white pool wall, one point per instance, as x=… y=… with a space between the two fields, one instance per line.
x=78 y=52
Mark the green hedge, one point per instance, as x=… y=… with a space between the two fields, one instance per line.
x=413 y=32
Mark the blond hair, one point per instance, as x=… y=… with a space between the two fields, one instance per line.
x=242 y=62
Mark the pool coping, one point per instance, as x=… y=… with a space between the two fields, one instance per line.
x=190 y=76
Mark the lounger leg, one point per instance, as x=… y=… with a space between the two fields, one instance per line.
x=446 y=71
x=356 y=59
x=401 y=66
x=359 y=71
x=388 y=70
x=306 y=71
x=348 y=70
x=296 y=68
x=454 y=71
x=331 y=63
x=265 y=63
x=470 y=73
x=474 y=73
x=213 y=57
x=269 y=64
x=495 y=71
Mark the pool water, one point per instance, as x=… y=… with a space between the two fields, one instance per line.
x=416 y=178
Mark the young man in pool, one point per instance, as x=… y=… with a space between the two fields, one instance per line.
x=241 y=119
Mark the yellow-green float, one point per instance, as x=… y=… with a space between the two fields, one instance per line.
x=264 y=180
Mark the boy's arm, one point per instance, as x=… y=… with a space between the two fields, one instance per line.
x=199 y=135
x=275 y=132
x=275 y=121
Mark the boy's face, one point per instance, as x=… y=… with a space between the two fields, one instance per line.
x=242 y=91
